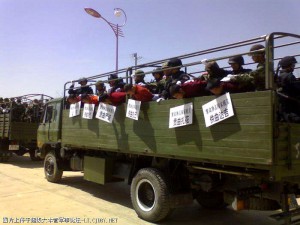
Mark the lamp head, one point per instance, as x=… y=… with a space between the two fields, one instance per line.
x=117 y=12
x=92 y=12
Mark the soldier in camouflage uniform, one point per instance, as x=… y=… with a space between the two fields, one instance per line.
x=256 y=77
x=176 y=76
x=157 y=86
x=236 y=63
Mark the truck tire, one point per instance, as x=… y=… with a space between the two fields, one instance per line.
x=150 y=195
x=52 y=172
x=211 y=200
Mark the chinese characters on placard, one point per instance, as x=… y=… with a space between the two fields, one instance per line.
x=181 y=115
x=218 y=110
x=133 y=109
x=74 y=109
x=106 y=112
x=88 y=111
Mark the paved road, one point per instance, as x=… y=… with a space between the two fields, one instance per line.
x=26 y=197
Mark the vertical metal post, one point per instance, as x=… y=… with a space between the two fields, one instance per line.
x=117 y=48
x=269 y=70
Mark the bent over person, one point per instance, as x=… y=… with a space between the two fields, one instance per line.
x=138 y=92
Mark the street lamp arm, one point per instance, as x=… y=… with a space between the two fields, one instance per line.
x=115 y=27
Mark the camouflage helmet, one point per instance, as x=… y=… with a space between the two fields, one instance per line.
x=236 y=59
x=213 y=65
x=112 y=77
x=35 y=101
x=174 y=62
x=256 y=48
x=99 y=83
x=139 y=73
x=158 y=70
x=82 y=79
x=164 y=65
x=287 y=61
x=6 y=100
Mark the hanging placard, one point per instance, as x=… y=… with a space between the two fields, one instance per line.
x=106 y=112
x=74 y=109
x=133 y=109
x=88 y=111
x=218 y=110
x=181 y=115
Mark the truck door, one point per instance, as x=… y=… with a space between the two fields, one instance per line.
x=49 y=129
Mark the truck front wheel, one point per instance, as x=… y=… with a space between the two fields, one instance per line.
x=150 y=195
x=52 y=172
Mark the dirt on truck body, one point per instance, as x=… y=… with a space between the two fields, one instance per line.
x=249 y=160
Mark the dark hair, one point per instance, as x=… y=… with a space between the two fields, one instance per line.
x=127 y=87
x=103 y=97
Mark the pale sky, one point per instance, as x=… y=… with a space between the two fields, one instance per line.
x=44 y=44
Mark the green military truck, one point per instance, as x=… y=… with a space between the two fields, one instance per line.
x=18 y=131
x=249 y=160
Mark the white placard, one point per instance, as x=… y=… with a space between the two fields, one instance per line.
x=218 y=110
x=133 y=109
x=74 y=109
x=181 y=115
x=88 y=111
x=106 y=112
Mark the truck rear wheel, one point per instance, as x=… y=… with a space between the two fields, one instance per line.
x=52 y=172
x=150 y=195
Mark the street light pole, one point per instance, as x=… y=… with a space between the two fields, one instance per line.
x=115 y=27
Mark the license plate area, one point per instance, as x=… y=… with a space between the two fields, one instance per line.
x=13 y=147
